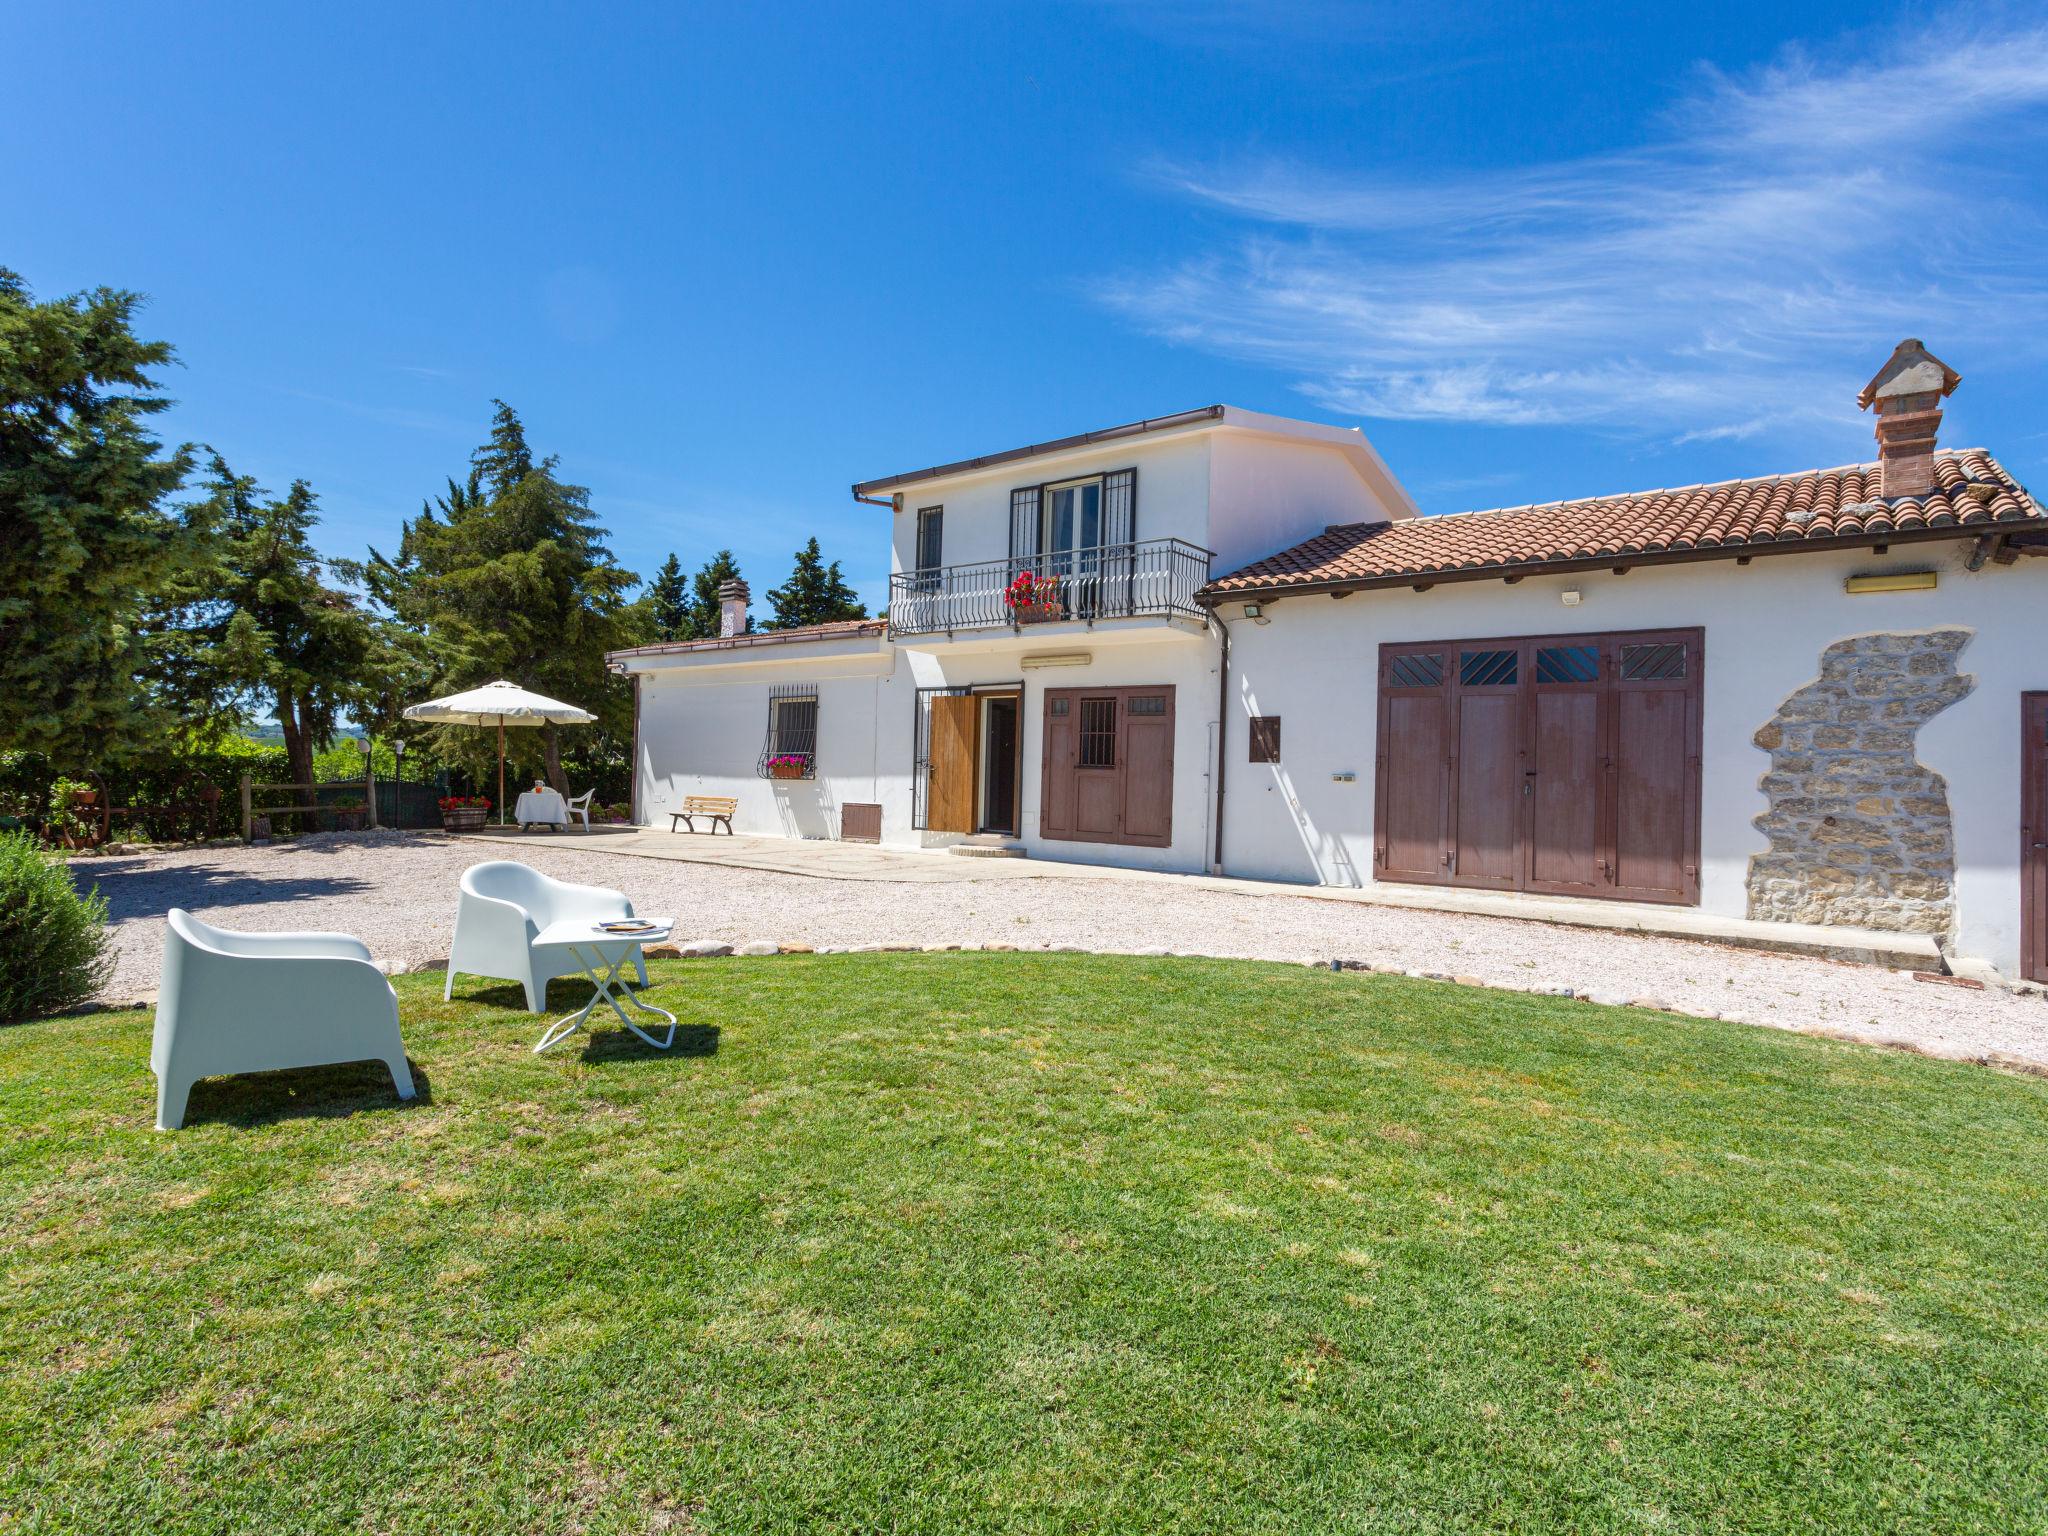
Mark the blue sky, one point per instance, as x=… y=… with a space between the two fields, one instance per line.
x=726 y=261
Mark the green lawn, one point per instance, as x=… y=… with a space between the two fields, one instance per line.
x=1028 y=1243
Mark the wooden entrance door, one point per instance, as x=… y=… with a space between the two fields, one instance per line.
x=1567 y=764
x=2034 y=836
x=1108 y=766
x=955 y=722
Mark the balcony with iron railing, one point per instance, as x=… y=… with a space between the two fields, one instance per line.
x=1152 y=578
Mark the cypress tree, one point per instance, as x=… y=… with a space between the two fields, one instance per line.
x=814 y=594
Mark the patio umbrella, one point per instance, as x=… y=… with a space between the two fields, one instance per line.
x=500 y=704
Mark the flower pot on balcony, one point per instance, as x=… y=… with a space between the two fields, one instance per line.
x=1039 y=613
x=785 y=770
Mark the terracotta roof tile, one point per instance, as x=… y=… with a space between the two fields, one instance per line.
x=842 y=629
x=1815 y=507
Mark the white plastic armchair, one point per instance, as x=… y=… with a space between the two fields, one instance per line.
x=257 y=1002
x=503 y=905
x=580 y=806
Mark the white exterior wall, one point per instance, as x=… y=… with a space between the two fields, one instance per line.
x=1316 y=666
x=1270 y=493
x=702 y=728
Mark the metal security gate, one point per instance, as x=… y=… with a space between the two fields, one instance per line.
x=2034 y=836
x=1563 y=764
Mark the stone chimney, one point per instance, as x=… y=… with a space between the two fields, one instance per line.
x=1907 y=395
x=732 y=608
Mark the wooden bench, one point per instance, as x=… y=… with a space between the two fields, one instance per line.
x=716 y=808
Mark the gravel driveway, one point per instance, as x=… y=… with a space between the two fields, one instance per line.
x=397 y=892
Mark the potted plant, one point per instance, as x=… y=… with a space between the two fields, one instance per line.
x=348 y=814
x=69 y=827
x=789 y=765
x=464 y=813
x=1032 y=599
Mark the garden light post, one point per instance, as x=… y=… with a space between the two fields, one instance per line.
x=398 y=795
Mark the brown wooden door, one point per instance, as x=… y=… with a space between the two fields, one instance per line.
x=1565 y=764
x=1567 y=733
x=2034 y=836
x=1148 y=767
x=1654 y=780
x=1108 y=765
x=1412 y=798
x=1486 y=768
x=950 y=798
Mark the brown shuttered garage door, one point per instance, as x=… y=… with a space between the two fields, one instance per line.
x=1108 y=766
x=1565 y=764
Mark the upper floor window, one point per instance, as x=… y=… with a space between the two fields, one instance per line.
x=1091 y=513
x=931 y=538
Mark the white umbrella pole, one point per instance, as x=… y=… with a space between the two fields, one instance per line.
x=501 y=770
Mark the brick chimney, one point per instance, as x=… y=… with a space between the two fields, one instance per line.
x=1907 y=395
x=732 y=608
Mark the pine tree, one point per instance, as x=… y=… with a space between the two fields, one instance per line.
x=89 y=540
x=256 y=627
x=704 y=609
x=509 y=576
x=668 y=602
x=814 y=594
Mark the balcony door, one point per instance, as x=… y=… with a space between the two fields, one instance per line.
x=1070 y=543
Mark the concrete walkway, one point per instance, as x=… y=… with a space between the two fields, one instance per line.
x=827 y=860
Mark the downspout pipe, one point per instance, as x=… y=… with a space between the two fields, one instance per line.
x=1222 y=732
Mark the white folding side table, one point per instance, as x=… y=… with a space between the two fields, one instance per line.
x=602 y=955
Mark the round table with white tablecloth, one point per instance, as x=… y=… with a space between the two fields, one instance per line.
x=541 y=808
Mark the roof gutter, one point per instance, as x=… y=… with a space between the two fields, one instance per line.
x=1209 y=597
x=865 y=489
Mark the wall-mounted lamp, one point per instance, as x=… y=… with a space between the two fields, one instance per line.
x=1572 y=597
x=1892 y=581
x=1256 y=613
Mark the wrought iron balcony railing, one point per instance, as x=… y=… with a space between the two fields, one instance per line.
x=1109 y=581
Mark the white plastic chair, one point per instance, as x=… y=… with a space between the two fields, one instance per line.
x=580 y=806
x=257 y=1002
x=503 y=906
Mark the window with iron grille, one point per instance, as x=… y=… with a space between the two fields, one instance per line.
x=1653 y=663
x=1098 y=733
x=1568 y=664
x=1488 y=669
x=931 y=539
x=1265 y=746
x=791 y=748
x=1417 y=669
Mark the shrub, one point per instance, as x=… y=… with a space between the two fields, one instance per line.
x=53 y=941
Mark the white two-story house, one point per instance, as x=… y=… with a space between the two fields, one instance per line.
x=1045 y=675
x=1225 y=642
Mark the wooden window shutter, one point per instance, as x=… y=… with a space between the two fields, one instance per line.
x=1024 y=503
x=1120 y=507
x=1265 y=739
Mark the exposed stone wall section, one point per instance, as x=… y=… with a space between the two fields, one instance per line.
x=1859 y=827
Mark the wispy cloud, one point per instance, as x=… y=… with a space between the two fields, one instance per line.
x=1738 y=274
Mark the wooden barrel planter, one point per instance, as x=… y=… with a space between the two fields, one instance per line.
x=464 y=818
